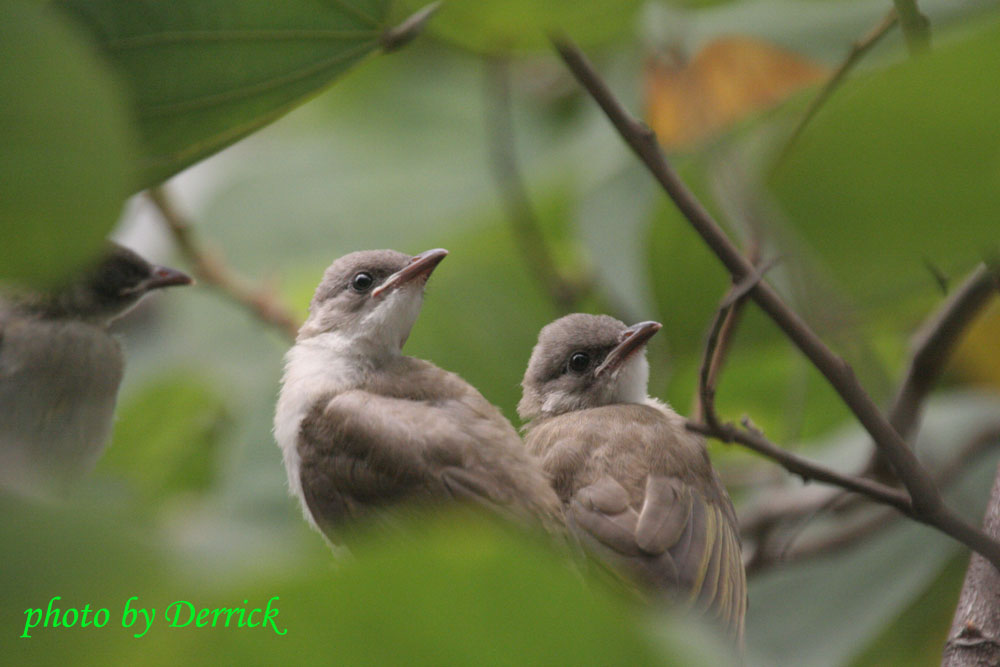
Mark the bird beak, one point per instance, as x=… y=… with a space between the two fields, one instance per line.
x=420 y=266
x=164 y=276
x=632 y=339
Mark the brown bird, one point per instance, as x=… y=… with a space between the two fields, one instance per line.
x=365 y=429
x=60 y=369
x=637 y=487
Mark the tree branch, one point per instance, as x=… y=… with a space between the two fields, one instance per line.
x=925 y=500
x=932 y=348
x=212 y=269
x=760 y=525
x=858 y=51
x=975 y=631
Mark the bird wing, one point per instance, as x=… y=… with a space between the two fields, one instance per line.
x=361 y=450
x=676 y=540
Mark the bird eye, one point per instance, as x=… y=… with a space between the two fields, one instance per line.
x=579 y=362
x=362 y=282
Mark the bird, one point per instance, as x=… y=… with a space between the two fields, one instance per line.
x=367 y=432
x=638 y=489
x=60 y=369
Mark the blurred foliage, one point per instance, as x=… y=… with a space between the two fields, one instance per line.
x=166 y=437
x=202 y=74
x=897 y=172
x=66 y=146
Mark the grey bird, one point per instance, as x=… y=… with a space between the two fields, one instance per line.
x=60 y=369
x=366 y=431
x=637 y=487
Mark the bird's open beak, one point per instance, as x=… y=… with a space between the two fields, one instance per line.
x=420 y=266
x=164 y=276
x=632 y=339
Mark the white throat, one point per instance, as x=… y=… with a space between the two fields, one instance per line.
x=331 y=363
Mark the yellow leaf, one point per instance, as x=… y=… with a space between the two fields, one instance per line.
x=727 y=80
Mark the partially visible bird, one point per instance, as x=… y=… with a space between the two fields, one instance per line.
x=60 y=369
x=637 y=487
x=366 y=430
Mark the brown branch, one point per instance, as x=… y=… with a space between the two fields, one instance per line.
x=932 y=348
x=564 y=292
x=399 y=36
x=975 y=631
x=858 y=51
x=926 y=504
x=763 y=557
x=211 y=268
x=933 y=345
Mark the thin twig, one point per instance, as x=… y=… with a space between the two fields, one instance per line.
x=932 y=348
x=803 y=467
x=858 y=51
x=916 y=27
x=211 y=268
x=399 y=36
x=856 y=532
x=565 y=293
x=933 y=345
x=925 y=503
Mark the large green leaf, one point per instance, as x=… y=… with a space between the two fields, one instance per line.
x=64 y=132
x=900 y=170
x=502 y=25
x=205 y=73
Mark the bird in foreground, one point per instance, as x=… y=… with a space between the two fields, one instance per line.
x=637 y=487
x=60 y=369
x=365 y=429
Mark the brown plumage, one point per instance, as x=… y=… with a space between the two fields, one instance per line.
x=638 y=488
x=366 y=429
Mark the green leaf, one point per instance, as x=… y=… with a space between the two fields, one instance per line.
x=502 y=25
x=167 y=435
x=66 y=146
x=204 y=73
x=900 y=170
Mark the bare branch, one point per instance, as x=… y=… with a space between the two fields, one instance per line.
x=565 y=293
x=975 y=631
x=858 y=51
x=803 y=467
x=212 y=269
x=399 y=36
x=932 y=348
x=760 y=525
x=925 y=499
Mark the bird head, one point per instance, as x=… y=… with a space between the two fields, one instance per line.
x=586 y=361
x=371 y=297
x=111 y=287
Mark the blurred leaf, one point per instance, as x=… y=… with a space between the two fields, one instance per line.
x=166 y=437
x=455 y=589
x=825 y=610
x=977 y=358
x=204 y=73
x=925 y=624
x=728 y=79
x=497 y=26
x=901 y=168
x=64 y=131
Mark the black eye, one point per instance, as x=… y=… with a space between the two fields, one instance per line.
x=579 y=362
x=362 y=282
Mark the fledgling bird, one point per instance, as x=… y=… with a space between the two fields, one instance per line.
x=637 y=487
x=364 y=428
x=60 y=369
